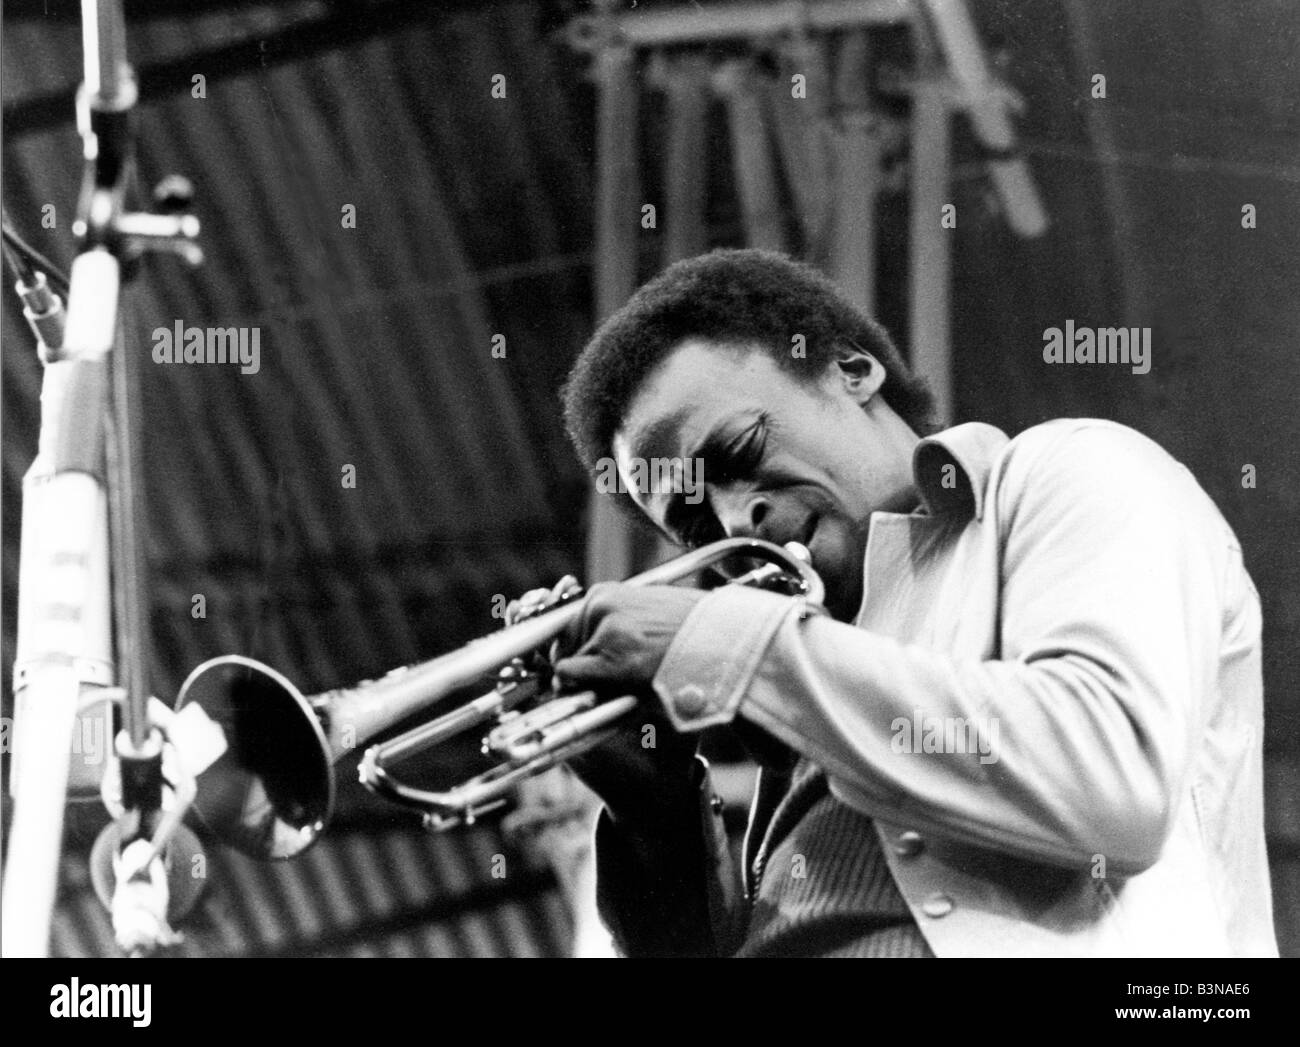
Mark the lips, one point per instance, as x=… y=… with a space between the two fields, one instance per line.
x=803 y=536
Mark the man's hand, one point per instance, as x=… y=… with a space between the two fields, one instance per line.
x=622 y=636
x=644 y=773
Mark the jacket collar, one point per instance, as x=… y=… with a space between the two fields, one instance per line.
x=952 y=467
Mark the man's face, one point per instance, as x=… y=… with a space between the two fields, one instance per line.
x=782 y=459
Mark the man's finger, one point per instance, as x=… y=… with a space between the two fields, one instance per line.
x=585 y=669
x=564 y=585
x=595 y=605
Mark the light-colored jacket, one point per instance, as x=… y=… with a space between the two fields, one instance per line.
x=1073 y=605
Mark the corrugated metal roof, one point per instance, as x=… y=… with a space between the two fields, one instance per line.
x=358 y=892
x=375 y=353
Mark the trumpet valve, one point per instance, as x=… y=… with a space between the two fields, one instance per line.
x=504 y=720
x=521 y=737
x=512 y=672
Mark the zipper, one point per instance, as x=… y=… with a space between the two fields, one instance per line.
x=756 y=880
x=788 y=813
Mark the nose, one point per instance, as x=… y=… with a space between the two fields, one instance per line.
x=741 y=513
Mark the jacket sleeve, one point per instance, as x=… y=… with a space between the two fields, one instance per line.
x=1110 y=615
x=673 y=891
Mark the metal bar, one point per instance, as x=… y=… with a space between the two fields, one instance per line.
x=858 y=162
x=686 y=168
x=295 y=43
x=147 y=12
x=125 y=493
x=930 y=265
x=1132 y=279
x=683 y=25
x=752 y=157
x=801 y=129
x=617 y=179
x=104 y=32
x=853 y=238
x=612 y=548
x=987 y=104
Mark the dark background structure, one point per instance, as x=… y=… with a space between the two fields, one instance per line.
x=474 y=218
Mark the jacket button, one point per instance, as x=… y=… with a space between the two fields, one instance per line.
x=937 y=905
x=690 y=702
x=909 y=844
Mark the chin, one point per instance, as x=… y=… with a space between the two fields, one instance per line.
x=845 y=610
x=841 y=602
x=842 y=577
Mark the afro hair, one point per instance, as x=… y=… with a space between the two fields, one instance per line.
x=751 y=298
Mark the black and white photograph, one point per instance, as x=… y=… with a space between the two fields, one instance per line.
x=651 y=479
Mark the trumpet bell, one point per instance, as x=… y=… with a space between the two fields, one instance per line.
x=270 y=795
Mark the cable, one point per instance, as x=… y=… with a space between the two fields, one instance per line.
x=21 y=267
x=37 y=282
x=16 y=246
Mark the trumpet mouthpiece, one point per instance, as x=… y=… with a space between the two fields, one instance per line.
x=799 y=552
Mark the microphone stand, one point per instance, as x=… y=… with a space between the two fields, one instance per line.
x=80 y=550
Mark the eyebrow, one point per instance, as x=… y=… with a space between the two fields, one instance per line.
x=657 y=433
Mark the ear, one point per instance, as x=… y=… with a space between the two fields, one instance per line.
x=858 y=372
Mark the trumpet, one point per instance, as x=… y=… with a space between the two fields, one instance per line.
x=271 y=793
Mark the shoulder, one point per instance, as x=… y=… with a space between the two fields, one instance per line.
x=1089 y=436
x=1085 y=444
x=1089 y=460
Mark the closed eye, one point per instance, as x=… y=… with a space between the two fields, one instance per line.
x=724 y=463
x=738 y=459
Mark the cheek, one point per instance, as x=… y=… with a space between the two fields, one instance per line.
x=823 y=458
x=857 y=480
x=841 y=469
x=846 y=542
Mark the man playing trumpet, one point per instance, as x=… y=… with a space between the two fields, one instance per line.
x=1029 y=720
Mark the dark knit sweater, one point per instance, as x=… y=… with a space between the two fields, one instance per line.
x=823 y=886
